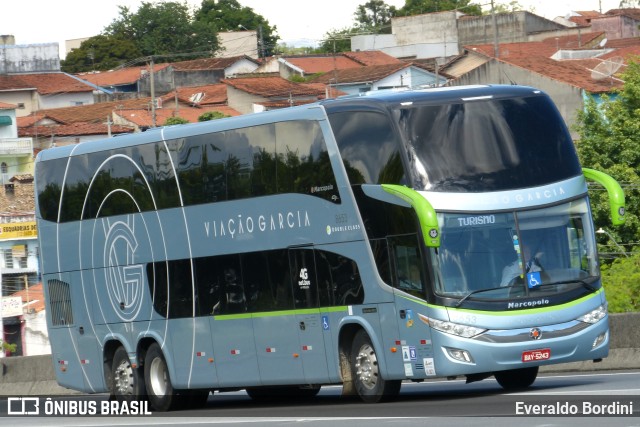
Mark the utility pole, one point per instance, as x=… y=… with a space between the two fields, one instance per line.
x=153 y=93
x=261 y=41
x=496 y=47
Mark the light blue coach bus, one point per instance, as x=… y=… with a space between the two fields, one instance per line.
x=362 y=241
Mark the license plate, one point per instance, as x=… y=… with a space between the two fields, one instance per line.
x=536 y=355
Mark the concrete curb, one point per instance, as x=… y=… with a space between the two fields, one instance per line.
x=34 y=375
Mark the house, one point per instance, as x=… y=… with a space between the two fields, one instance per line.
x=306 y=65
x=16 y=154
x=568 y=68
x=136 y=81
x=443 y=34
x=618 y=23
x=254 y=93
x=354 y=81
x=41 y=91
x=28 y=329
x=124 y=80
x=28 y=58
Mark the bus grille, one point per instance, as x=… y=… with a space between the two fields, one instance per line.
x=60 y=303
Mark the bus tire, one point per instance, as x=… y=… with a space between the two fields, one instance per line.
x=367 y=378
x=516 y=379
x=126 y=382
x=162 y=396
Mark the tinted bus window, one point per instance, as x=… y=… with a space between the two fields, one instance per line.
x=488 y=145
x=368 y=146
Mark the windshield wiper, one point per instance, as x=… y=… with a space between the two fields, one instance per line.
x=459 y=303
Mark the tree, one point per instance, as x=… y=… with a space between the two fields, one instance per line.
x=338 y=40
x=609 y=141
x=375 y=16
x=418 y=7
x=100 y=53
x=164 y=28
x=211 y=115
x=175 y=121
x=229 y=15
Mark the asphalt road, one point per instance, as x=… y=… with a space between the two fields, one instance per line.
x=581 y=399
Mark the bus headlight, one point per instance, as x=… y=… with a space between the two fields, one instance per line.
x=464 y=331
x=594 y=316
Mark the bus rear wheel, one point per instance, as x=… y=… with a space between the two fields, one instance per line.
x=156 y=376
x=516 y=379
x=367 y=379
x=125 y=380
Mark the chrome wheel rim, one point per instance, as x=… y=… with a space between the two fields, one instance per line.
x=158 y=377
x=367 y=367
x=123 y=379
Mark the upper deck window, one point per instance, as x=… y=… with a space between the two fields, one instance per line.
x=487 y=144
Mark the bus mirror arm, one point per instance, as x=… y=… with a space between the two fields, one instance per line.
x=615 y=192
x=425 y=212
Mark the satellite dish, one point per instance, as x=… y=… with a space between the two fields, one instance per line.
x=196 y=97
x=607 y=68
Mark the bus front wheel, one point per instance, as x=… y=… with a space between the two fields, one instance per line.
x=125 y=380
x=516 y=379
x=367 y=379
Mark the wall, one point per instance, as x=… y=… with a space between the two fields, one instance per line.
x=616 y=27
x=31 y=58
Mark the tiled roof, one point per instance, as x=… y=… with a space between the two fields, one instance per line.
x=73 y=129
x=124 y=76
x=362 y=74
x=322 y=63
x=215 y=94
x=275 y=87
x=633 y=13
x=210 y=63
x=372 y=57
x=536 y=57
x=34 y=295
x=93 y=113
x=43 y=83
x=143 y=118
x=5 y=106
x=22 y=178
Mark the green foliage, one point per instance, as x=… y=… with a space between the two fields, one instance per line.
x=609 y=141
x=211 y=115
x=100 y=53
x=621 y=282
x=418 y=7
x=175 y=121
x=7 y=347
x=229 y=15
x=335 y=41
x=163 y=28
x=375 y=16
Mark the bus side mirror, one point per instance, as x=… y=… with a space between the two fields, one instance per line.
x=426 y=214
x=616 y=195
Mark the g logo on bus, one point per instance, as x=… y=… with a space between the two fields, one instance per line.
x=124 y=282
x=535 y=333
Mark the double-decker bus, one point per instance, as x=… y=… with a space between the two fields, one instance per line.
x=363 y=241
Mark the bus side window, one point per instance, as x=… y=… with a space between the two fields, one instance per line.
x=338 y=280
x=266 y=281
x=408 y=267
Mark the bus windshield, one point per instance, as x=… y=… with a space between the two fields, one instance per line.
x=495 y=256
x=487 y=144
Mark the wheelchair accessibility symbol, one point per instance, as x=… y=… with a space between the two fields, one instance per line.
x=534 y=279
x=325 y=323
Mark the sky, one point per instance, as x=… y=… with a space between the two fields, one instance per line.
x=298 y=21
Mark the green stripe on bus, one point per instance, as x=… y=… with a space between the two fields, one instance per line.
x=511 y=312
x=426 y=214
x=280 y=313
